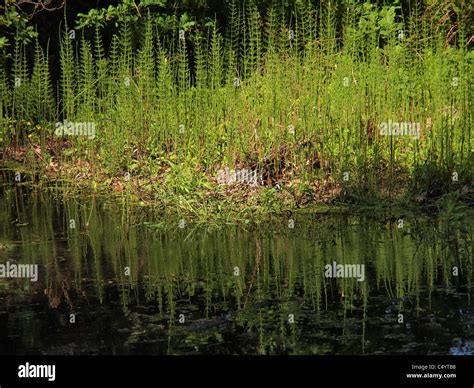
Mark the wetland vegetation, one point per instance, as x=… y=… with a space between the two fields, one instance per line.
x=137 y=288
x=345 y=102
x=184 y=176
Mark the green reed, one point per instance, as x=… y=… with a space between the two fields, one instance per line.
x=233 y=101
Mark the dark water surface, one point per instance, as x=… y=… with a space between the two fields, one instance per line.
x=138 y=284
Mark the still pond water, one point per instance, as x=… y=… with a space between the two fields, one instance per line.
x=138 y=284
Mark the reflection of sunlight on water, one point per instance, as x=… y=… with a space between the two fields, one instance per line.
x=462 y=349
x=150 y=290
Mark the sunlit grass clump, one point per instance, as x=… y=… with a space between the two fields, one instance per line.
x=368 y=107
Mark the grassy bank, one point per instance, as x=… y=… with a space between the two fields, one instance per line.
x=374 y=107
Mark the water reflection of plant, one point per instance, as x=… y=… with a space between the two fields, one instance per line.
x=192 y=271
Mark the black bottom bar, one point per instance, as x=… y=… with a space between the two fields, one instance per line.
x=323 y=371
